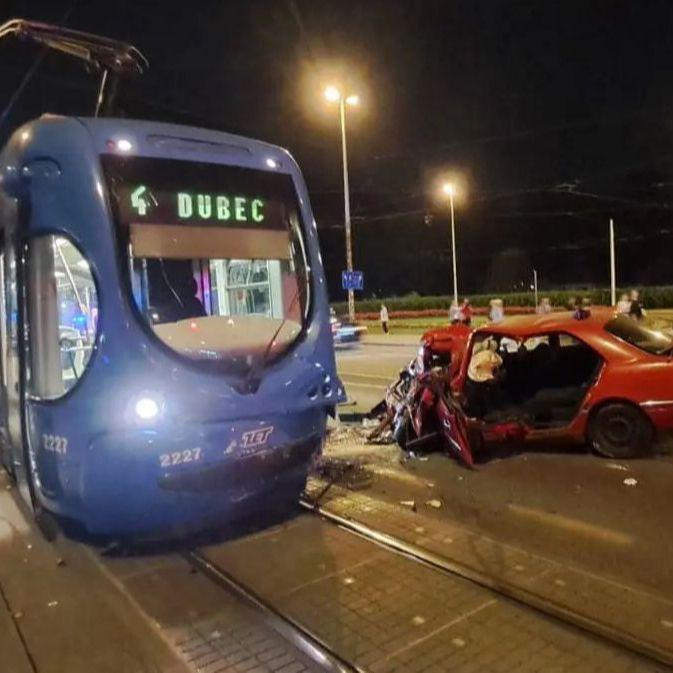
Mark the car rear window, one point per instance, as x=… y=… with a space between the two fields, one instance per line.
x=641 y=336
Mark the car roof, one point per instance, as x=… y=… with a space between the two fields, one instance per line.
x=563 y=321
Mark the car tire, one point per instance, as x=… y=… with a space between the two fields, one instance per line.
x=621 y=430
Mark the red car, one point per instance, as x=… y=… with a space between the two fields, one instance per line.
x=602 y=378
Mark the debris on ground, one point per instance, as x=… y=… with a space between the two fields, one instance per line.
x=430 y=484
x=411 y=504
x=60 y=562
x=350 y=473
x=617 y=466
x=630 y=481
x=52 y=604
x=382 y=439
x=434 y=503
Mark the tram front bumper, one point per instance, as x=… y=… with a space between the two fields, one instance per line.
x=144 y=482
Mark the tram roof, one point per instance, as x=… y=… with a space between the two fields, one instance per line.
x=156 y=139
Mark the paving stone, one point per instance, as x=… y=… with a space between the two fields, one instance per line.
x=369 y=620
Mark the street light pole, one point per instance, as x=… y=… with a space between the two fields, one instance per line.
x=347 y=208
x=535 y=286
x=613 y=273
x=334 y=95
x=453 y=248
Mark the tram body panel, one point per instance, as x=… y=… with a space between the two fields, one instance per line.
x=92 y=458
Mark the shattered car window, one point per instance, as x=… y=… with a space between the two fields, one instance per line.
x=648 y=339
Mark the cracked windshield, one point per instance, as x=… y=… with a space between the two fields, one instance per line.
x=336 y=337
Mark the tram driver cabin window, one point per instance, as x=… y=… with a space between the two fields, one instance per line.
x=215 y=253
x=62 y=315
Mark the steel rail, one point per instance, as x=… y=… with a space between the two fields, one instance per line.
x=287 y=627
x=521 y=596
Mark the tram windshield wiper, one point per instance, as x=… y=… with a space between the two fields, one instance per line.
x=253 y=378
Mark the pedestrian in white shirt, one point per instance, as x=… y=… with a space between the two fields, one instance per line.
x=497 y=312
x=455 y=313
x=383 y=314
x=624 y=304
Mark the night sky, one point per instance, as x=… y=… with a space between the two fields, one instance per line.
x=556 y=114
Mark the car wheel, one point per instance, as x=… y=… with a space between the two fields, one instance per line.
x=621 y=430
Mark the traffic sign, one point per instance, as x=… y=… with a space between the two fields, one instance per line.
x=352 y=280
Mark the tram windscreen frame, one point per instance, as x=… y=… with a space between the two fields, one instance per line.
x=216 y=257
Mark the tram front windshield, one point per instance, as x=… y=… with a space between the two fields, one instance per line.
x=215 y=256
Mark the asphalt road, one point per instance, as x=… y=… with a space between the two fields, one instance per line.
x=366 y=369
x=603 y=515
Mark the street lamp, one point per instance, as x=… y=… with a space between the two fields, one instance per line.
x=334 y=95
x=449 y=189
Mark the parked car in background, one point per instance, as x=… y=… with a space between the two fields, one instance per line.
x=605 y=379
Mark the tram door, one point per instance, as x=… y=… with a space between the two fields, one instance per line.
x=12 y=340
x=12 y=440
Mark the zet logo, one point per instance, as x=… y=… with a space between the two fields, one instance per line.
x=256 y=437
x=140 y=200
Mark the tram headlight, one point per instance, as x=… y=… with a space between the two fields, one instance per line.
x=124 y=145
x=147 y=408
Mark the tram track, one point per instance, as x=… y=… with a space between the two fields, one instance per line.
x=283 y=608
x=291 y=630
x=515 y=593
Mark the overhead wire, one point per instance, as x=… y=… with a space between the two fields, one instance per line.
x=32 y=69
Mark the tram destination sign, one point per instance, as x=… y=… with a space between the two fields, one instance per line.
x=154 y=191
x=146 y=204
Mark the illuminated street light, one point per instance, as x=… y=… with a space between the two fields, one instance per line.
x=449 y=189
x=333 y=95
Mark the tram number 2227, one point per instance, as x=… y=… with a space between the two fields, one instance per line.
x=55 y=444
x=180 y=457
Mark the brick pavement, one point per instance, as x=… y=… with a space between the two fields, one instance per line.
x=386 y=613
x=627 y=610
x=211 y=630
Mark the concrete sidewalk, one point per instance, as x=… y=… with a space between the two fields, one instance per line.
x=58 y=613
x=66 y=609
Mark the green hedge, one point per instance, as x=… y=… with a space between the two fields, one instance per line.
x=651 y=297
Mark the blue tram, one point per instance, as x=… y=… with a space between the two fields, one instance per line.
x=166 y=355
x=167 y=359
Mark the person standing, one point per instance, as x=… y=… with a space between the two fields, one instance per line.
x=497 y=312
x=455 y=313
x=467 y=311
x=636 y=309
x=544 y=307
x=624 y=304
x=383 y=314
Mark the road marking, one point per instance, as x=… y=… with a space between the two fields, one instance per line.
x=354 y=384
x=573 y=525
x=443 y=627
x=387 y=379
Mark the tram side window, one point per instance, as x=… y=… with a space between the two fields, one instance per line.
x=63 y=312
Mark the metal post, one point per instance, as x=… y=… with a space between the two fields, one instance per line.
x=347 y=208
x=453 y=250
x=535 y=285
x=100 y=99
x=613 y=274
